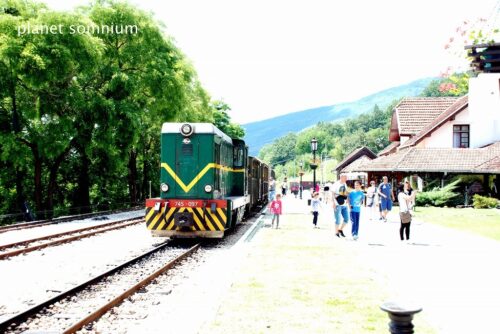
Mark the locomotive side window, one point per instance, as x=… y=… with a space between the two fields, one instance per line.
x=238 y=156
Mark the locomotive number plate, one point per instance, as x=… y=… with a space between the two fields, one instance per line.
x=190 y=204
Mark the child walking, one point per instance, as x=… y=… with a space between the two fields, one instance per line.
x=356 y=199
x=275 y=209
x=315 y=204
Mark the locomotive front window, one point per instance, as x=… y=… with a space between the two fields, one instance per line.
x=238 y=156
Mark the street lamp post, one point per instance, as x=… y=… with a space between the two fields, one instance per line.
x=314 y=148
x=301 y=172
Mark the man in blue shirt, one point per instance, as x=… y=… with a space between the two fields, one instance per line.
x=386 y=197
x=356 y=198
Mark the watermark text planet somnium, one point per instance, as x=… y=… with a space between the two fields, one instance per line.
x=73 y=29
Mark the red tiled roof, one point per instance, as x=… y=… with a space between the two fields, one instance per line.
x=383 y=163
x=454 y=160
x=354 y=166
x=354 y=155
x=414 y=113
x=391 y=148
x=459 y=105
x=491 y=166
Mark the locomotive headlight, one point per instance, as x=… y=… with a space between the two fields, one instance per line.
x=186 y=129
x=164 y=187
x=208 y=188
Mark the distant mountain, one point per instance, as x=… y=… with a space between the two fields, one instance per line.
x=263 y=132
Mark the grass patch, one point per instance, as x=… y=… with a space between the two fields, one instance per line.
x=484 y=222
x=304 y=281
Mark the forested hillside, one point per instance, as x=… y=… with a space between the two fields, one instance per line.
x=81 y=113
x=264 y=132
x=337 y=139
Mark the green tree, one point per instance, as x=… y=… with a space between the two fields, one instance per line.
x=40 y=93
x=223 y=121
x=81 y=113
x=456 y=84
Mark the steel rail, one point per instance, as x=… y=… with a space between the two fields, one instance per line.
x=38 y=223
x=65 y=240
x=57 y=235
x=24 y=315
x=119 y=299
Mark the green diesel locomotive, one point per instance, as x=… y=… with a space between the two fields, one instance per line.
x=204 y=183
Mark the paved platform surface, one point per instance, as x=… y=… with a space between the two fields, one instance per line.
x=453 y=275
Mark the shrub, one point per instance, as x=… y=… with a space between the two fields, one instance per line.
x=439 y=196
x=483 y=202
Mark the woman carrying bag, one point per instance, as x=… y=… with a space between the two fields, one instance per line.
x=406 y=198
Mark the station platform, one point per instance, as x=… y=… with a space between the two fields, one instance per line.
x=300 y=279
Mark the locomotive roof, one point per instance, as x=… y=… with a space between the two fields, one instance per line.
x=198 y=128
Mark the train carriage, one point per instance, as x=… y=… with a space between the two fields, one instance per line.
x=203 y=178
x=258 y=182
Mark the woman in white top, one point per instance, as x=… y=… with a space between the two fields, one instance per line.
x=372 y=200
x=406 y=198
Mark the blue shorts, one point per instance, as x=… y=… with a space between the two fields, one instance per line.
x=341 y=210
x=386 y=204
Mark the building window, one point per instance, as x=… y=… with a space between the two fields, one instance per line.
x=461 y=136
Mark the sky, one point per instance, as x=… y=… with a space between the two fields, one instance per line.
x=266 y=58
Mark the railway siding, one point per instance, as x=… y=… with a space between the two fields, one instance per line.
x=59 y=268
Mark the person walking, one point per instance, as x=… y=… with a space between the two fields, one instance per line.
x=326 y=189
x=386 y=197
x=371 y=203
x=340 y=202
x=356 y=199
x=276 y=210
x=272 y=189
x=406 y=198
x=315 y=205
x=283 y=187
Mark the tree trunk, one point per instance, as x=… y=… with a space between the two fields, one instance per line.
x=83 y=192
x=132 y=176
x=54 y=169
x=38 y=181
x=16 y=127
x=20 y=198
x=145 y=178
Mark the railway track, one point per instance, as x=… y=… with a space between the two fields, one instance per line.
x=88 y=301
x=26 y=246
x=39 y=223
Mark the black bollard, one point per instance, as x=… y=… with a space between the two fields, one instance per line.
x=401 y=316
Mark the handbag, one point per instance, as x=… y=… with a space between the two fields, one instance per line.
x=405 y=217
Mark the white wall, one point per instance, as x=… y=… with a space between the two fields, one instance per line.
x=484 y=105
x=482 y=115
x=443 y=136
